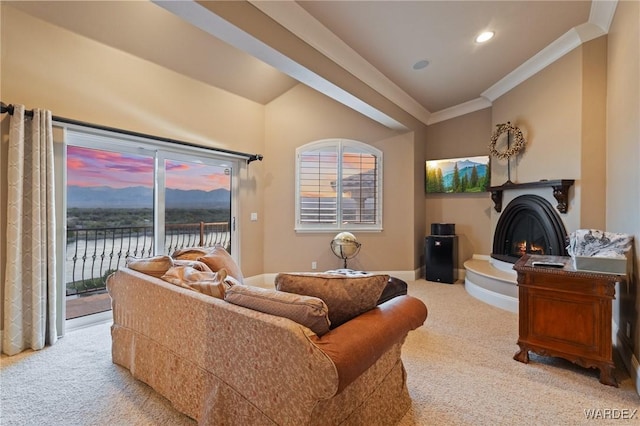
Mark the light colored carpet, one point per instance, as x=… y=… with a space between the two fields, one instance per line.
x=459 y=365
x=461 y=370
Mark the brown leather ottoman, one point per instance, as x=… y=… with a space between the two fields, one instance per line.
x=395 y=286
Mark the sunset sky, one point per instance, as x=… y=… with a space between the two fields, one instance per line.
x=352 y=164
x=90 y=167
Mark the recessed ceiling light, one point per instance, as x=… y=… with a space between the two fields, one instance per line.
x=485 y=36
x=420 y=64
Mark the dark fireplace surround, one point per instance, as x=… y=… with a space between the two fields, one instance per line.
x=529 y=224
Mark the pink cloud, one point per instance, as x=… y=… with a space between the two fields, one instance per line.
x=187 y=175
x=92 y=167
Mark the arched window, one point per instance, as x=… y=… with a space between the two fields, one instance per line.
x=338 y=186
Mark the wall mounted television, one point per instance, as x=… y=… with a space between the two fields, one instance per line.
x=458 y=175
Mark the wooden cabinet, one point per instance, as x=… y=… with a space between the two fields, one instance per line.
x=566 y=313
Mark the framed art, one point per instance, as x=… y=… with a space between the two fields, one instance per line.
x=458 y=175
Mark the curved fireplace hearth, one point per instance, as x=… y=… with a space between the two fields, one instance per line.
x=529 y=224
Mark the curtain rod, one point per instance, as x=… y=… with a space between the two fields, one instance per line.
x=4 y=108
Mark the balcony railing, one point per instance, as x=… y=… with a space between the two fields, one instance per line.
x=93 y=253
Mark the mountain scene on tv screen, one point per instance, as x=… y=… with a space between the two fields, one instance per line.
x=451 y=176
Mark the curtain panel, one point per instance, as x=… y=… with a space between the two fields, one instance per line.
x=30 y=282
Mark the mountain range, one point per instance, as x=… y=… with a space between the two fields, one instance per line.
x=444 y=181
x=142 y=197
x=448 y=166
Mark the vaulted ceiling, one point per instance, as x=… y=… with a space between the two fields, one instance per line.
x=361 y=53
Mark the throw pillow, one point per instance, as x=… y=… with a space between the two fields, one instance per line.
x=210 y=283
x=190 y=253
x=308 y=311
x=346 y=297
x=155 y=266
x=395 y=286
x=218 y=258
x=200 y=266
x=232 y=281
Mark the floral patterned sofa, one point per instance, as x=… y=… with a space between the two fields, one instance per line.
x=224 y=364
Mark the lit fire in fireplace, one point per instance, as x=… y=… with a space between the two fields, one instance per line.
x=529 y=224
x=523 y=247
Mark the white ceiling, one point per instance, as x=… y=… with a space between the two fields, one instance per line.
x=376 y=41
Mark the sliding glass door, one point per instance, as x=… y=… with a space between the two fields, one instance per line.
x=128 y=196
x=197 y=202
x=110 y=211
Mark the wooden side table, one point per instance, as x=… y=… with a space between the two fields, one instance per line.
x=566 y=313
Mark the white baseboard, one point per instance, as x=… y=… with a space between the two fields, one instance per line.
x=462 y=274
x=630 y=361
x=636 y=367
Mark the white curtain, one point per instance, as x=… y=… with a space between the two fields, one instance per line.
x=30 y=282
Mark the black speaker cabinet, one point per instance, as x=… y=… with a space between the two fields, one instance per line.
x=443 y=229
x=441 y=258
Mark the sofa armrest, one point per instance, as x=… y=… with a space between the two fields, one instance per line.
x=357 y=344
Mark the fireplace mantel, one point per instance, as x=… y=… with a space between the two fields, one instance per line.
x=560 y=191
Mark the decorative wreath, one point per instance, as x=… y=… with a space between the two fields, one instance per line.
x=518 y=141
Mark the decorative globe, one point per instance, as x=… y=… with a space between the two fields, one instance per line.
x=345 y=246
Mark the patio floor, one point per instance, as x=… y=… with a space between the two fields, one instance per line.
x=88 y=305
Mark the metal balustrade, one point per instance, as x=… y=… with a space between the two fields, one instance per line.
x=94 y=253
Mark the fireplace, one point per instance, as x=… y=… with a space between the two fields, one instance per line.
x=529 y=224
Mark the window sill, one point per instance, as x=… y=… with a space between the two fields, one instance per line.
x=332 y=230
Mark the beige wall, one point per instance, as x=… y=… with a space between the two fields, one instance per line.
x=4 y=131
x=419 y=206
x=548 y=109
x=467 y=135
x=301 y=116
x=560 y=111
x=623 y=156
x=593 y=163
x=74 y=77
x=87 y=81
x=570 y=135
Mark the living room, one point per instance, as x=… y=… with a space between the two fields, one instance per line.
x=580 y=113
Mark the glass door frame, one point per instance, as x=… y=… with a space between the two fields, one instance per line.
x=159 y=220
x=66 y=134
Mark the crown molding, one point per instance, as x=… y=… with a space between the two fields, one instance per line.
x=600 y=18
x=557 y=49
x=602 y=12
x=460 y=109
x=300 y=23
